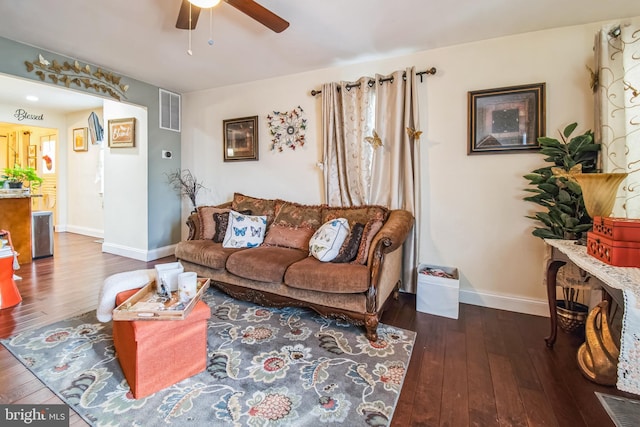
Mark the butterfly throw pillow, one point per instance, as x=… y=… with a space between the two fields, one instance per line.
x=244 y=231
x=326 y=242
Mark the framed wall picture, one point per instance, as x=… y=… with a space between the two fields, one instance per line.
x=506 y=120
x=122 y=133
x=240 y=139
x=80 y=139
x=33 y=151
x=32 y=163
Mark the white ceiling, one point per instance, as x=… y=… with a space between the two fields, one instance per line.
x=138 y=38
x=13 y=91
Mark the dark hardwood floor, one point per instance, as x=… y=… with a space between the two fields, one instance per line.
x=489 y=367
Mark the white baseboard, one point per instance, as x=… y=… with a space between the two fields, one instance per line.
x=536 y=307
x=139 y=254
x=162 y=252
x=85 y=231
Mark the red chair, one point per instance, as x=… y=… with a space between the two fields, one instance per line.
x=9 y=295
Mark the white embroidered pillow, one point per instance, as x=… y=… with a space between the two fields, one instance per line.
x=244 y=231
x=326 y=241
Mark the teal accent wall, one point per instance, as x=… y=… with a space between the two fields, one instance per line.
x=164 y=221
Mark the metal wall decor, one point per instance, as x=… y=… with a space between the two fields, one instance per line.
x=66 y=74
x=287 y=129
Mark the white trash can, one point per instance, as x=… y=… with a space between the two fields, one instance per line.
x=438 y=290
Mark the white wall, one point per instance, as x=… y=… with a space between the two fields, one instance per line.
x=84 y=201
x=473 y=215
x=125 y=187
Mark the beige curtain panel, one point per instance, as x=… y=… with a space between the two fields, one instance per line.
x=371 y=151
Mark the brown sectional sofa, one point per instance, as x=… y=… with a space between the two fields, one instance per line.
x=280 y=272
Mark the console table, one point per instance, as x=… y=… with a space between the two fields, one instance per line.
x=622 y=283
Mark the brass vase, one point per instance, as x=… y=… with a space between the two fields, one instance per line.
x=598 y=356
x=599 y=191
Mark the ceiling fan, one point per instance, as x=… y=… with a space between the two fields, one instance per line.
x=249 y=7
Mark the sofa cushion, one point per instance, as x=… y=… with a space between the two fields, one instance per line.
x=256 y=205
x=311 y=274
x=244 y=231
x=289 y=237
x=207 y=221
x=297 y=215
x=263 y=264
x=328 y=239
x=204 y=252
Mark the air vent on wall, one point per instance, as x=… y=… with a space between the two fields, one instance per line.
x=169 y=110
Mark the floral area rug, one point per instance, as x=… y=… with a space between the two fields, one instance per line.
x=266 y=367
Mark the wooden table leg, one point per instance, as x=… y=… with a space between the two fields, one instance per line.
x=552 y=272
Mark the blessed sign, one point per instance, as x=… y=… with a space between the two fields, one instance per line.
x=122 y=133
x=22 y=114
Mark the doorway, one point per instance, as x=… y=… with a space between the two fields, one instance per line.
x=34 y=147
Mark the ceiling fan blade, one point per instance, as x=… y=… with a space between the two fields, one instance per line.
x=183 y=16
x=260 y=14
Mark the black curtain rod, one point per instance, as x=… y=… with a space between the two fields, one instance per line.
x=431 y=71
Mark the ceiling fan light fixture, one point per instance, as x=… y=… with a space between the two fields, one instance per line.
x=204 y=4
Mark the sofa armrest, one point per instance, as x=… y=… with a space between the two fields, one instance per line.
x=392 y=234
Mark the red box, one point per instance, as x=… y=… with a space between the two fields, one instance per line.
x=613 y=252
x=618 y=229
x=156 y=354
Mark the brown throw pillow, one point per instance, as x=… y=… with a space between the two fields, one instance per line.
x=297 y=215
x=221 y=223
x=207 y=224
x=256 y=205
x=289 y=237
x=349 y=249
x=370 y=230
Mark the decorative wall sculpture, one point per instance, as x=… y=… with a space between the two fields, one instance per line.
x=287 y=129
x=81 y=75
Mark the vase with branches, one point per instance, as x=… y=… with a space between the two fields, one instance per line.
x=183 y=181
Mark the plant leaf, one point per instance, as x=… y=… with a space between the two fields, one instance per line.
x=569 y=129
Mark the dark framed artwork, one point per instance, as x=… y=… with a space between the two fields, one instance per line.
x=240 y=139
x=506 y=120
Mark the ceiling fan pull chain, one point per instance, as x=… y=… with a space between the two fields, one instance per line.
x=189 y=50
x=210 y=27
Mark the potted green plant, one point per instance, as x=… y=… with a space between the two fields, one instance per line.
x=17 y=176
x=565 y=216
